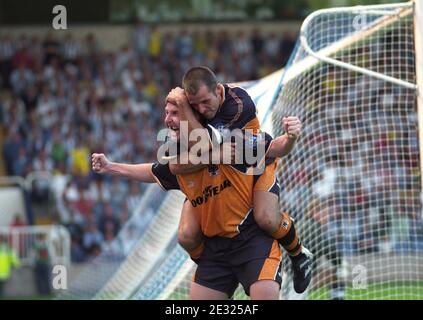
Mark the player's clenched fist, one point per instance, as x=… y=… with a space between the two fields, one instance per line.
x=100 y=163
x=292 y=126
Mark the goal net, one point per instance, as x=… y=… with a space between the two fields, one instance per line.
x=352 y=182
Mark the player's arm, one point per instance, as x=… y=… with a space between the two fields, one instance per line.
x=217 y=155
x=141 y=172
x=164 y=177
x=183 y=165
x=283 y=144
x=278 y=147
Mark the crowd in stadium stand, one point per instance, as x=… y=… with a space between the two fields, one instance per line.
x=63 y=99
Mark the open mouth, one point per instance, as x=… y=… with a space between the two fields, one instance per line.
x=174 y=128
x=173 y=132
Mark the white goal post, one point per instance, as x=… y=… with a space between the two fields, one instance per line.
x=418 y=35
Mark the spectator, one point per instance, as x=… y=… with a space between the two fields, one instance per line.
x=272 y=47
x=71 y=49
x=111 y=247
x=17 y=221
x=92 y=237
x=8 y=260
x=155 y=43
x=30 y=98
x=51 y=48
x=20 y=166
x=141 y=37
x=124 y=215
x=78 y=255
x=21 y=78
x=257 y=42
x=7 y=49
x=84 y=204
x=92 y=47
x=42 y=261
x=133 y=199
x=93 y=252
x=129 y=239
x=184 y=44
x=108 y=219
x=80 y=159
x=42 y=162
x=241 y=45
x=287 y=46
x=11 y=149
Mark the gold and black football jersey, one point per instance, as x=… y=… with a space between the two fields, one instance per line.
x=222 y=196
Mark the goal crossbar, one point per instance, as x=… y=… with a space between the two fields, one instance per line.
x=404 y=9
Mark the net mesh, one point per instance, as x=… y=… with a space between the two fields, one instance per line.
x=352 y=182
x=140 y=244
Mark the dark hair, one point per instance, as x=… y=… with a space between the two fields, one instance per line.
x=196 y=76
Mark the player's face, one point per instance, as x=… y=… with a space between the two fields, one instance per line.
x=206 y=102
x=172 y=120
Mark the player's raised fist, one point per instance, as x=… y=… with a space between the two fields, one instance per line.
x=100 y=163
x=292 y=126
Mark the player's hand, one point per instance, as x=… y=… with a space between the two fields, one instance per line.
x=178 y=95
x=100 y=163
x=292 y=126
